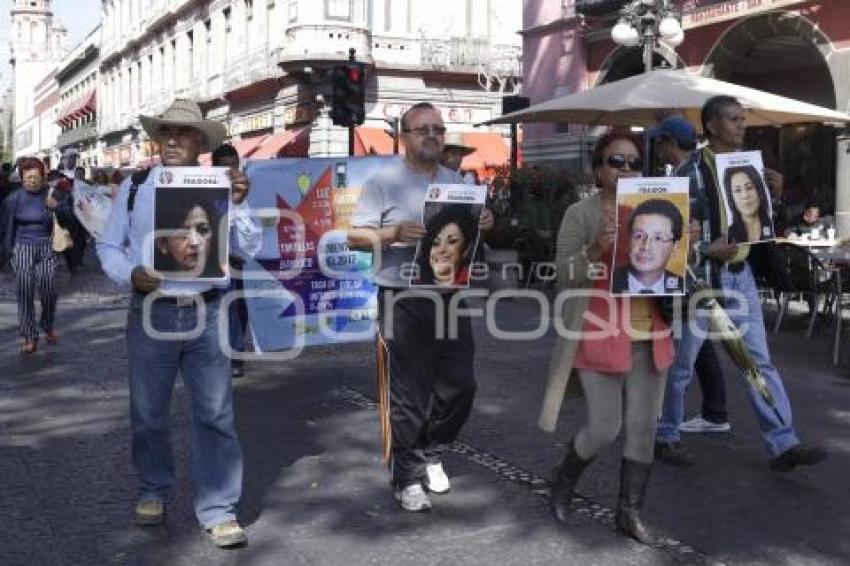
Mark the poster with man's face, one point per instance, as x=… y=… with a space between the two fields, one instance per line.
x=450 y=216
x=191 y=223
x=650 y=253
x=747 y=206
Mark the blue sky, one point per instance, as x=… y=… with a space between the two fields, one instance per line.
x=79 y=16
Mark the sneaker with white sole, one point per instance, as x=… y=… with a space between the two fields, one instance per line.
x=412 y=498
x=700 y=425
x=436 y=480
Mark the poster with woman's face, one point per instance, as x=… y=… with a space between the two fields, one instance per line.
x=450 y=216
x=650 y=255
x=749 y=216
x=191 y=223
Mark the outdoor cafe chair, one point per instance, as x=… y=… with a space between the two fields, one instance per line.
x=794 y=270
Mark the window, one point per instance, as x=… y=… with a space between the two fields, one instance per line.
x=338 y=10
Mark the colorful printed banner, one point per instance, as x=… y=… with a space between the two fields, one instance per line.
x=305 y=287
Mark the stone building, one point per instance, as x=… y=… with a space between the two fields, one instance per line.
x=77 y=80
x=260 y=67
x=36 y=45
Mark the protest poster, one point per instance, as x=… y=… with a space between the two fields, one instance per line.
x=450 y=216
x=191 y=222
x=749 y=214
x=92 y=207
x=305 y=287
x=651 y=249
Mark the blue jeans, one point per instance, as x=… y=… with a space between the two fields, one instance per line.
x=237 y=317
x=154 y=363
x=778 y=436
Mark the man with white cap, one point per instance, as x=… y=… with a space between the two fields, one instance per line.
x=187 y=313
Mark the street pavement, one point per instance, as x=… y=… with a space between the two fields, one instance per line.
x=316 y=490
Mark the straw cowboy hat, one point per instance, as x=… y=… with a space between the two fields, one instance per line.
x=454 y=140
x=184 y=112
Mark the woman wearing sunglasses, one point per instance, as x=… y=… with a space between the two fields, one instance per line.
x=628 y=353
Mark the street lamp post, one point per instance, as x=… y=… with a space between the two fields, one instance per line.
x=644 y=23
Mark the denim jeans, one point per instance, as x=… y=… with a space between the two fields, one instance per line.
x=154 y=364
x=778 y=436
x=237 y=317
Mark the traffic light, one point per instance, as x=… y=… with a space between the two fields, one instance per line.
x=348 y=103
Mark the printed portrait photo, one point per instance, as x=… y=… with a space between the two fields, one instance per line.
x=651 y=246
x=189 y=242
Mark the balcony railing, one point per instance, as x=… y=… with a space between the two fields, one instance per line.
x=472 y=55
x=78 y=134
x=248 y=69
x=324 y=42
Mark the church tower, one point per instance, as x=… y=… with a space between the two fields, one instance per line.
x=37 y=42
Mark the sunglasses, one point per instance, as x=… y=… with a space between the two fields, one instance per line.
x=426 y=130
x=619 y=161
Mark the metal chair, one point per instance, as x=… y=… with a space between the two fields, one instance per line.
x=795 y=270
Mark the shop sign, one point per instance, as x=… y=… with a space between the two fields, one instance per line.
x=450 y=114
x=696 y=13
x=252 y=123
x=301 y=114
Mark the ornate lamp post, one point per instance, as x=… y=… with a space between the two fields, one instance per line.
x=644 y=23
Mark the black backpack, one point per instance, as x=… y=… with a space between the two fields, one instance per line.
x=136 y=179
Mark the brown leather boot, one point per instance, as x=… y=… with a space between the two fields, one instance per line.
x=564 y=480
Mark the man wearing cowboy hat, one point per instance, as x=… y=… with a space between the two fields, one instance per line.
x=454 y=151
x=186 y=313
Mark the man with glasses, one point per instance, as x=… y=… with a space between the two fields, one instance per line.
x=655 y=229
x=430 y=374
x=186 y=313
x=724 y=123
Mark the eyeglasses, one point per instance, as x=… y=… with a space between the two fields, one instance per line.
x=639 y=237
x=423 y=131
x=619 y=161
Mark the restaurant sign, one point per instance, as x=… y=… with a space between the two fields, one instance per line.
x=696 y=13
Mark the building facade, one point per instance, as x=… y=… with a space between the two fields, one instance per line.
x=77 y=80
x=567 y=47
x=45 y=111
x=36 y=45
x=260 y=67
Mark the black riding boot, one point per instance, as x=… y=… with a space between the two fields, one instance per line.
x=634 y=477
x=564 y=481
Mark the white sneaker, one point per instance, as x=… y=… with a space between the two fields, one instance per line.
x=436 y=480
x=700 y=425
x=412 y=498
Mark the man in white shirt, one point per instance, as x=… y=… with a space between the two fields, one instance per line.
x=186 y=313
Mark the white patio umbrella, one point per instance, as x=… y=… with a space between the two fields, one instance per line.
x=643 y=100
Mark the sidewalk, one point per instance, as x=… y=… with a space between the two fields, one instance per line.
x=316 y=491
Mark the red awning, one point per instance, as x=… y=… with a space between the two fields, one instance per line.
x=491 y=150
x=289 y=143
x=247 y=146
x=77 y=108
x=374 y=141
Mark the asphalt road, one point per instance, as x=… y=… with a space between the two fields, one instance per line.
x=316 y=490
